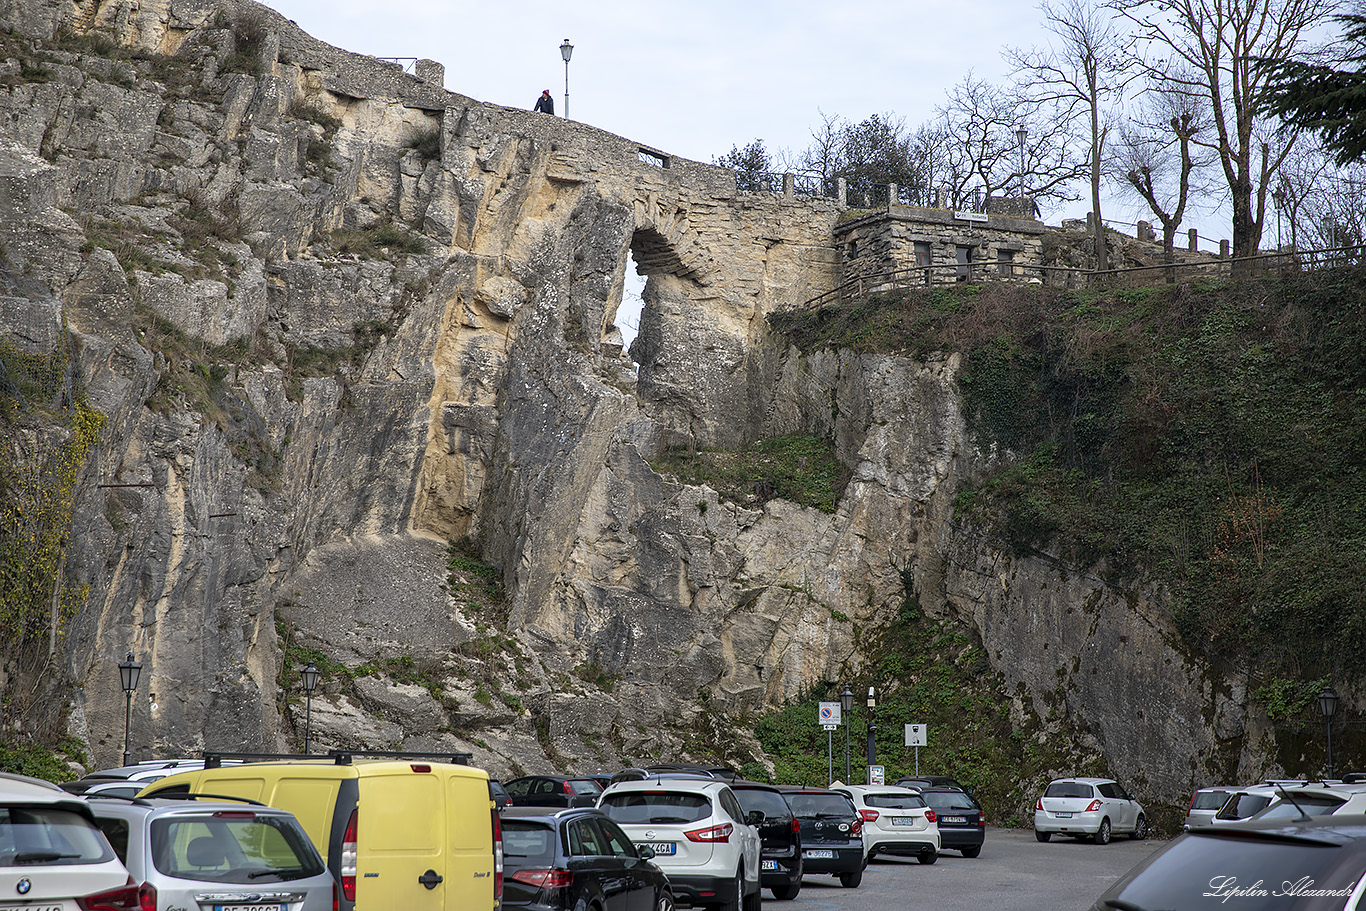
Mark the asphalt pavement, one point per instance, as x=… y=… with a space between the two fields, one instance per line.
x=1014 y=873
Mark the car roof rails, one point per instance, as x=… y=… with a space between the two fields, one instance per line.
x=215 y=759
x=173 y=795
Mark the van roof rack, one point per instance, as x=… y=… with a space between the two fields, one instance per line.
x=213 y=759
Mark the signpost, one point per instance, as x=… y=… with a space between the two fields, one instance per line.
x=917 y=735
x=829 y=716
x=877 y=774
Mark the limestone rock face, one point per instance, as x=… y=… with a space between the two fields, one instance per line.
x=339 y=319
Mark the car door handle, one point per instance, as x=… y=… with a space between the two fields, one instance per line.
x=431 y=879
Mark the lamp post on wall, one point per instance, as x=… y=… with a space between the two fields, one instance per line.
x=1328 y=704
x=846 y=706
x=872 y=734
x=129 y=672
x=566 y=50
x=310 y=674
x=1021 y=134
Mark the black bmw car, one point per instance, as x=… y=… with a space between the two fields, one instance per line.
x=557 y=860
x=962 y=826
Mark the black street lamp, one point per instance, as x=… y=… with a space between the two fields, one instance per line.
x=1021 y=135
x=872 y=734
x=846 y=706
x=310 y=675
x=1328 y=704
x=129 y=672
x=566 y=50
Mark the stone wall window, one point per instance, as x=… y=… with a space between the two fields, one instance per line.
x=923 y=259
x=964 y=256
x=1005 y=262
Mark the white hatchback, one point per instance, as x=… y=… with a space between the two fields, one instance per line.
x=1088 y=808
x=700 y=837
x=895 y=821
x=52 y=856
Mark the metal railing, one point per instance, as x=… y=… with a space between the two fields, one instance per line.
x=860 y=287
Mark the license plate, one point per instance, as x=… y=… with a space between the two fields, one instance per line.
x=820 y=854
x=953 y=819
x=903 y=820
x=273 y=906
x=1063 y=815
x=661 y=847
x=768 y=865
x=8 y=907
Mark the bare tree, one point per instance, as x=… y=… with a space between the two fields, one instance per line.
x=1319 y=203
x=982 y=157
x=1217 y=51
x=1081 y=71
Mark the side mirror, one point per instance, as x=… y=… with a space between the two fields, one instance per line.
x=645 y=852
x=754 y=817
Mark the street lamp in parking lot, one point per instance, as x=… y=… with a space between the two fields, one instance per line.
x=846 y=706
x=310 y=675
x=129 y=672
x=1328 y=704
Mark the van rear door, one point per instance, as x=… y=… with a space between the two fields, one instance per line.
x=469 y=831
x=400 y=858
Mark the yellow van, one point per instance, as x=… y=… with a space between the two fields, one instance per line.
x=410 y=834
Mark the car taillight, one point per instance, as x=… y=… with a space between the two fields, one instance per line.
x=234 y=814
x=715 y=833
x=1193 y=796
x=930 y=816
x=497 y=855
x=567 y=789
x=796 y=826
x=1039 y=805
x=348 y=859
x=868 y=815
x=857 y=827
x=147 y=897
x=545 y=879
x=336 y=899
x=1093 y=806
x=124 y=898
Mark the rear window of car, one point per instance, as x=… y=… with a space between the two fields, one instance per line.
x=1241 y=806
x=949 y=800
x=816 y=805
x=49 y=836
x=1209 y=800
x=1069 y=789
x=532 y=841
x=894 y=801
x=656 y=807
x=1311 y=804
x=770 y=803
x=1204 y=870
x=233 y=847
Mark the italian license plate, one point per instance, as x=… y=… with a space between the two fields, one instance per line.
x=272 y=906
x=661 y=847
x=820 y=854
x=1063 y=815
x=768 y=865
x=9 y=907
x=903 y=820
x=953 y=819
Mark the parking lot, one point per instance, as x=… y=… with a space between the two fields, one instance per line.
x=1014 y=873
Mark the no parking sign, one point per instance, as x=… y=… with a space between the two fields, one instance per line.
x=829 y=715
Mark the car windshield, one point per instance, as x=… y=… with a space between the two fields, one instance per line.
x=585 y=786
x=770 y=803
x=949 y=800
x=525 y=839
x=656 y=807
x=237 y=846
x=1209 y=800
x=1069 y=789
x=1208 y=870
x=49 y=836
x=894 y=801
x=816 y=805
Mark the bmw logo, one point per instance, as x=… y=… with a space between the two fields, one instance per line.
x=23 y=886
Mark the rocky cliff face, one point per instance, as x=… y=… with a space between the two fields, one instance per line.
x=339 y=317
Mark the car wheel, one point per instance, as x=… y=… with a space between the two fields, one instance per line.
x=973 y=851
x=851 y=880
x=735 y=901
x=1102 y=836
x=927 y=857
x=1140 y=828
x=665 y=902
x=1042 y=836
x=755 y=900
x=787 y=893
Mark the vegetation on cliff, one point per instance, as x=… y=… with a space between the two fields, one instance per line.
x=799 y=468
x=1207 y=437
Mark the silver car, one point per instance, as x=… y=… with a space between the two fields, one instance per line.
x=1088 y=808
x=187 y=853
